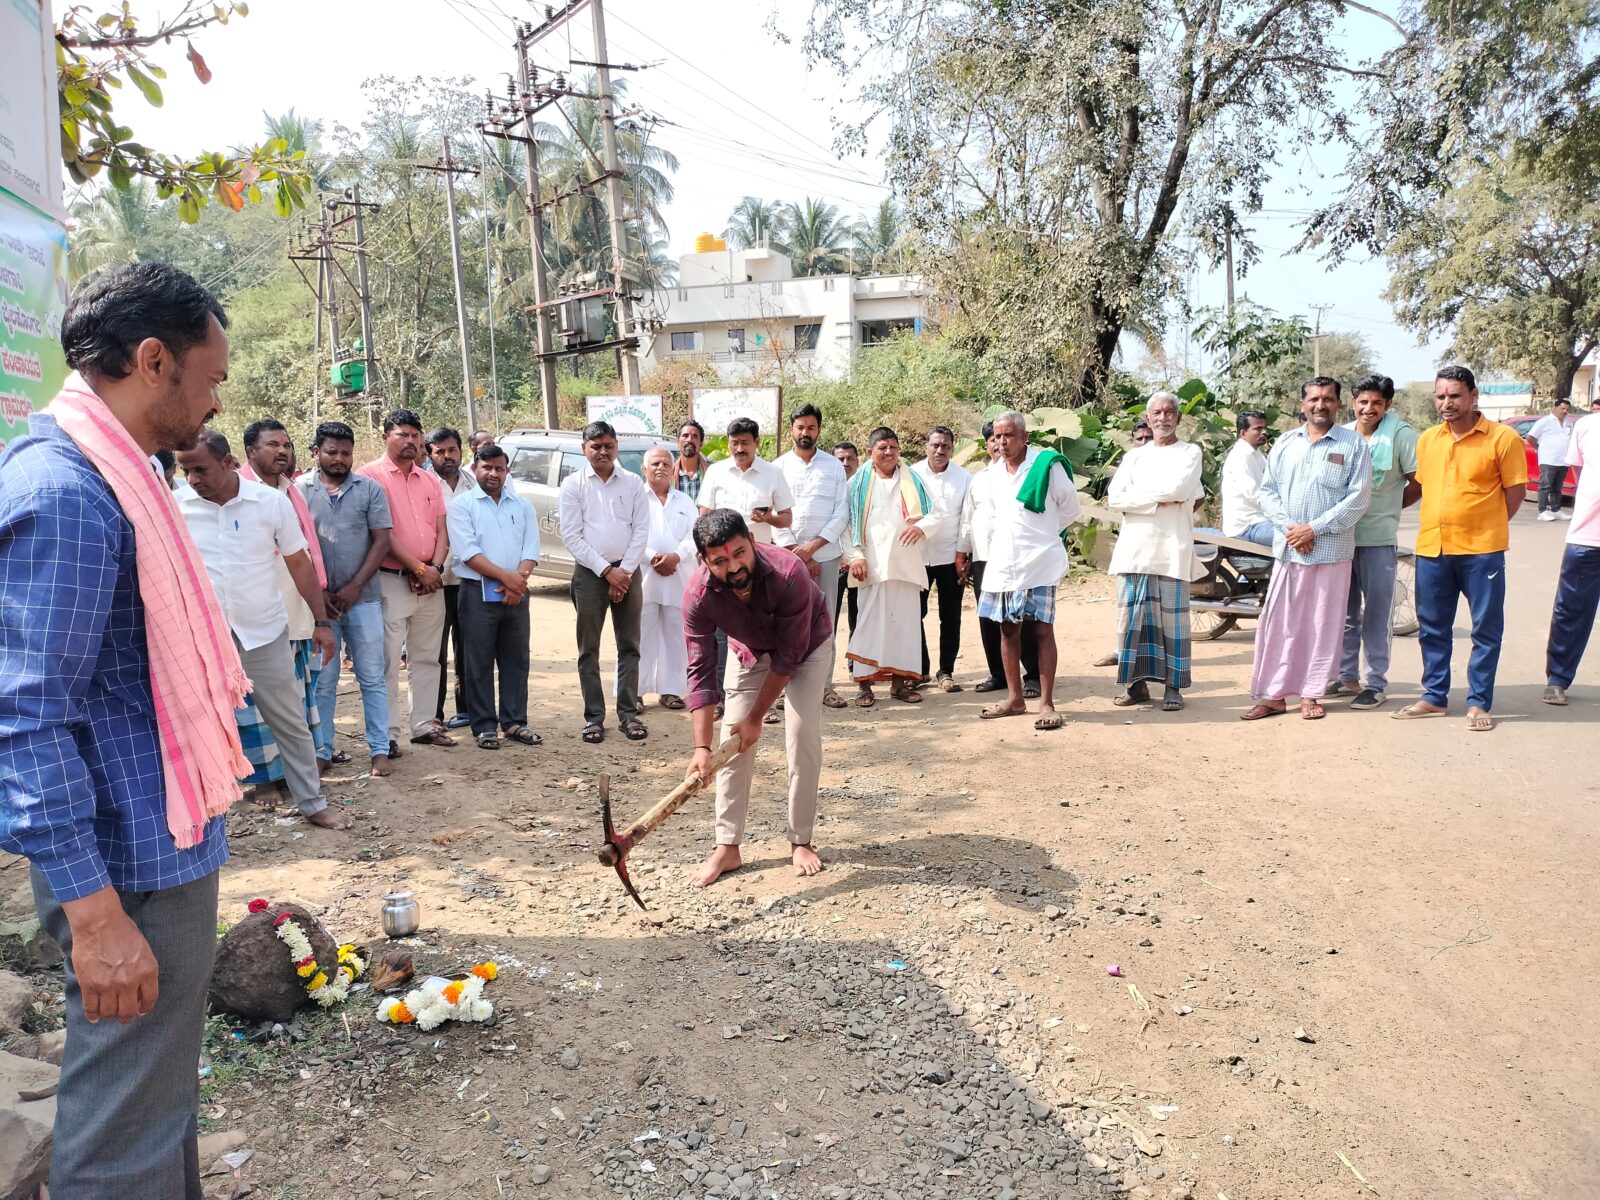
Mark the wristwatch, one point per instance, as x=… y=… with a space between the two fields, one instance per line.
x=324 y=624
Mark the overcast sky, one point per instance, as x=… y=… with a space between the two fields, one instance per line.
x=749 y=119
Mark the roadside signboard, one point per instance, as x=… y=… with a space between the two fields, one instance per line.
x=627 y=414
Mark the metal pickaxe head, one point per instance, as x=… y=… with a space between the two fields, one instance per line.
x=615 y=852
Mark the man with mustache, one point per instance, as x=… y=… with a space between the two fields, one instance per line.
x=821 y=516
x=776 y=622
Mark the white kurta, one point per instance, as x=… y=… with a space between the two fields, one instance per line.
x=887 y=642
x=1154 y=489
x=663 y=652
x=1025 y=548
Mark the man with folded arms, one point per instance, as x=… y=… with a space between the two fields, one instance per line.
x=351 y=515
x=118 y=749
x=494 y=540
x=411 y=579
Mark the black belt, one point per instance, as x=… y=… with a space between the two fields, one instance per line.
x=394 y=571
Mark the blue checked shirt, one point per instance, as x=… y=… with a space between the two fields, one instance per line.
x=1326 y=484
x=82 y=794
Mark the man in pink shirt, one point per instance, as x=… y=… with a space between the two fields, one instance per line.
x=411 y=578
x=1578 y=591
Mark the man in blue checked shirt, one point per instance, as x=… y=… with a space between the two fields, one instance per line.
x=494 y=546
x=82 y=790
x=1317 y=486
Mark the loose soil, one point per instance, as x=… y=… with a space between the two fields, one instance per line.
x=1352 y=946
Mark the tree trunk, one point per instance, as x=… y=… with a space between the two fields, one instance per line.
x=1098 y=370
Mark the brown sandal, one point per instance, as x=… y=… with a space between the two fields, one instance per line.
x=1262 y=711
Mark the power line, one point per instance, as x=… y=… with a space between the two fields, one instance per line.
x=736 y=95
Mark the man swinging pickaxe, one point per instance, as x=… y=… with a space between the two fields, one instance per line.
x=615 y=852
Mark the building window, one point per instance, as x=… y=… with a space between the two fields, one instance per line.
x=827 y=284
x=682 y=342
x=736 y=340
x=805 y=336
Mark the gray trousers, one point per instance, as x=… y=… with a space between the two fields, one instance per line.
x=828 y=581
x=125 y=1111
x=591 y=597
x=1369 y=616
x=281 y=700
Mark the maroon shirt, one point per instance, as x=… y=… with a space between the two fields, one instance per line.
x=786 y=618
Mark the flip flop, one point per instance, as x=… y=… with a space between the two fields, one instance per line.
x=947 y=684
x=989 y=685
x=865 y=699
x=1172 y=701
x=1030 y=691
x=1262 y=711
x=433 y=737
x=1555 y=695
x=673 y=702
x=905 y=695
x=1412 y=713
x=1106 y=660
x=1049 y=720
x=1479 y=722
x=995 y=711
x=1315 y=713
x=832 y=699
x=1137 y=694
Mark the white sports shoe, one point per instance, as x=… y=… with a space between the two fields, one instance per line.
x=1564 y=515
x=1547 y=516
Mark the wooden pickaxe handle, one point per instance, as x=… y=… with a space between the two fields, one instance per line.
x=652 y=820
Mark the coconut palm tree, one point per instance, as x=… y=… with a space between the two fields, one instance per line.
x=569 y=151
x=819 y=241
x=301 y=133
x=880 y=245
x=757 y=222
x=112 y=227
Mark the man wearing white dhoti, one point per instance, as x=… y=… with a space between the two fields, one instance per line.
x=891 y=516
x=669 y=557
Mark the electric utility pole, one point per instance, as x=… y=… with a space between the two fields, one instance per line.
x=619 y=229
x=1316 y=339
x=513 y=121
x=450 y=170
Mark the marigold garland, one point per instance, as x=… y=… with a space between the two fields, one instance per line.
x=319 y=987
x=441 y=1000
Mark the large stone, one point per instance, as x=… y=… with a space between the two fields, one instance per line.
x=255 y=977
x=27 y=942
x=52 y=1046
x=25 y=1125
x=16 y=1002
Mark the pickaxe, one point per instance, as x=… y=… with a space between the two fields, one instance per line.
x=615 y=852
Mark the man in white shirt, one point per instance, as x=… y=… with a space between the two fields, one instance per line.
x=751 y=486
x=1549 y=436
x=605 y=522
x=1154 y=489
x=947 y=487
x=1033 y=502
x=819 y=489
x=242 y=529
x=972 y=557
x=670 y=559
x=1242 y=472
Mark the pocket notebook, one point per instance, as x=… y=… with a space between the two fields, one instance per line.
x=493 y=591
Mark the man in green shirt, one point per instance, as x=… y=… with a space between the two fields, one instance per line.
x=1369 y=614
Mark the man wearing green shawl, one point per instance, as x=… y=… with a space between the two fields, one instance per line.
x=890 y=517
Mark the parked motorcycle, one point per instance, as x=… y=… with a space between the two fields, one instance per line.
x=1234 y=587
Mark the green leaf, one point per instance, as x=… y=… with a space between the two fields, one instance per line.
x=188 y=209
x=281 y=202
x=118 y=174
x=1062 y=421
x=1192 y=389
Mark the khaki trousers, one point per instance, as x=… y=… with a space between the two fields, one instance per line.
x=802 y=735
x=414 y=624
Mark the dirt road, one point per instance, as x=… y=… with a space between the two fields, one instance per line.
x=932 y=1016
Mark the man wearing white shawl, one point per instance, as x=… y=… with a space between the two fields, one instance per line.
x=890 y=517
x=669 y=557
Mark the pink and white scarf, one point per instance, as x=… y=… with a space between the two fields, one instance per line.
x=195 y=674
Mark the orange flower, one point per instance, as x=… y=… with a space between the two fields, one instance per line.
x=401 y=1015
x=486 y=971
x=452 y=993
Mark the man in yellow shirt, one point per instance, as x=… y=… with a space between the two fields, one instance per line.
x=1474 y=473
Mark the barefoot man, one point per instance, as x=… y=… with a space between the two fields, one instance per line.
x=776 y=622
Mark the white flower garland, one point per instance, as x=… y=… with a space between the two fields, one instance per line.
x=440 y=1000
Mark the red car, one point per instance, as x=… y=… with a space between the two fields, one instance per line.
x=1522 y=424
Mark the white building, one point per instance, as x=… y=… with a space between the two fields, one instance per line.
x=746 y=310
